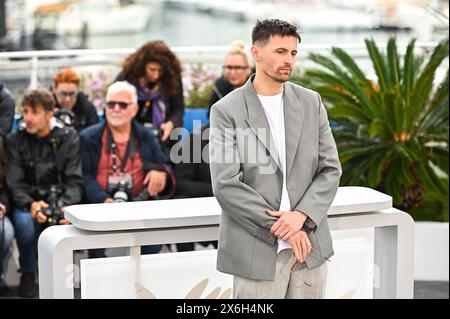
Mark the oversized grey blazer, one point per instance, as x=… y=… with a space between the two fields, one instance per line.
x=247 y=179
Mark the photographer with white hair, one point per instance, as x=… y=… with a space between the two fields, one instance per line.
x=123 y=161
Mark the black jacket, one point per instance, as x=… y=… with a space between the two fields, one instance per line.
x=7 y=106
x=4 y=199
x=193 y=177
x=84 y=110
x=36 y=163
x=221 y=88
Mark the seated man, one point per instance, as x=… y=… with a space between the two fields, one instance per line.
x=123 y=161
x=70 y=102
x=43 y=175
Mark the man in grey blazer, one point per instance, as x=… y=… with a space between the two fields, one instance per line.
x=275 y=171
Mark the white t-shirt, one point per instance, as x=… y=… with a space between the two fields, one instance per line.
x=274 y=109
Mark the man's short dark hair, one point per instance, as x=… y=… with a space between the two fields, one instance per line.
x=39 y=97
x=263 y=30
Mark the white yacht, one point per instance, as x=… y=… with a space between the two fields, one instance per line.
x=103 y=17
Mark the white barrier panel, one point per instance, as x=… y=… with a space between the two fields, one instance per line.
x=193 y=274
x=192 y=220
x=181 y=275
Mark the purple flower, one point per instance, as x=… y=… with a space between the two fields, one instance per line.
x=98 y=103
x=97 y=85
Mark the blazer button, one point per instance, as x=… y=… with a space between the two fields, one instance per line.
x=277 y=200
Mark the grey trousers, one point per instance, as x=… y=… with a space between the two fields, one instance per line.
x=301 y=284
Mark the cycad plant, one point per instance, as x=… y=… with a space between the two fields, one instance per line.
x=392 y=132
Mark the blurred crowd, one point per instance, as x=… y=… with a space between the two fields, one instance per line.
x=62 y=153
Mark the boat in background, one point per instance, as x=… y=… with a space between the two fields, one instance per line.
x=104 y=17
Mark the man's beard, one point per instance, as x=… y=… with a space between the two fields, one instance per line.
x=278 y=79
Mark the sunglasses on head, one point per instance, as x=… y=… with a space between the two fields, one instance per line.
x=122 y=105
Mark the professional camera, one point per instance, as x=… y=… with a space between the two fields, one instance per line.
x=119 y=187
x=53 y=211
x=65 y=117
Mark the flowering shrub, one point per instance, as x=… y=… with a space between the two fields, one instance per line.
x=198 y=81
x=95 y=84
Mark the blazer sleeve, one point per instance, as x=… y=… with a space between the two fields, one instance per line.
x=238 y=200
x=321 y=192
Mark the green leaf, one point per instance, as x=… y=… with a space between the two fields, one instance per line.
x=424 y=83
x=441 y=93
x=349 y=63
x=394 y=110
x=441 y=161
x=376 y=169
x=349 y=111
x=430 y=179
x=342 y=79
x=393 y=61
x=392 y=186
x=379 y=128
x=408 y=73
x=348 y=154
x=437 y=118
x=379 y=64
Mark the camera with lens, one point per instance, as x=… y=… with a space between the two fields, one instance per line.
x=53 y=211
x=65 y=117
x=119 y=187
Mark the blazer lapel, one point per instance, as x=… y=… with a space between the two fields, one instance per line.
x=257 y=120
x=293 y=122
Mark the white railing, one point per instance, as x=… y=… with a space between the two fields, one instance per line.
x=33 y=61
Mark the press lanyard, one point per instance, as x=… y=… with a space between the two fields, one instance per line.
x=130 y=151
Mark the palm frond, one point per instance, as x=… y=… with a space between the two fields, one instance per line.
x=379 y=64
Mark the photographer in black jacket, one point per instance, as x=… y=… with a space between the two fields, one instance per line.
x=71 y=103
x=43 y=163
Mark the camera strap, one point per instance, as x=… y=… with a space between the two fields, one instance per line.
x=112 y=147
x=54 y=144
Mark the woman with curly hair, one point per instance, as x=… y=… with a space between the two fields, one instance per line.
x=155 y=71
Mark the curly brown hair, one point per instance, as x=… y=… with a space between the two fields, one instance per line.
x=133 y=68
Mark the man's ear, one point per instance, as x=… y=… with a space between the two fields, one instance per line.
x=50 y=114
x=256 y=53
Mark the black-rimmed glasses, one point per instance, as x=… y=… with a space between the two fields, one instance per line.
x=64 y=94
x=237 y=68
